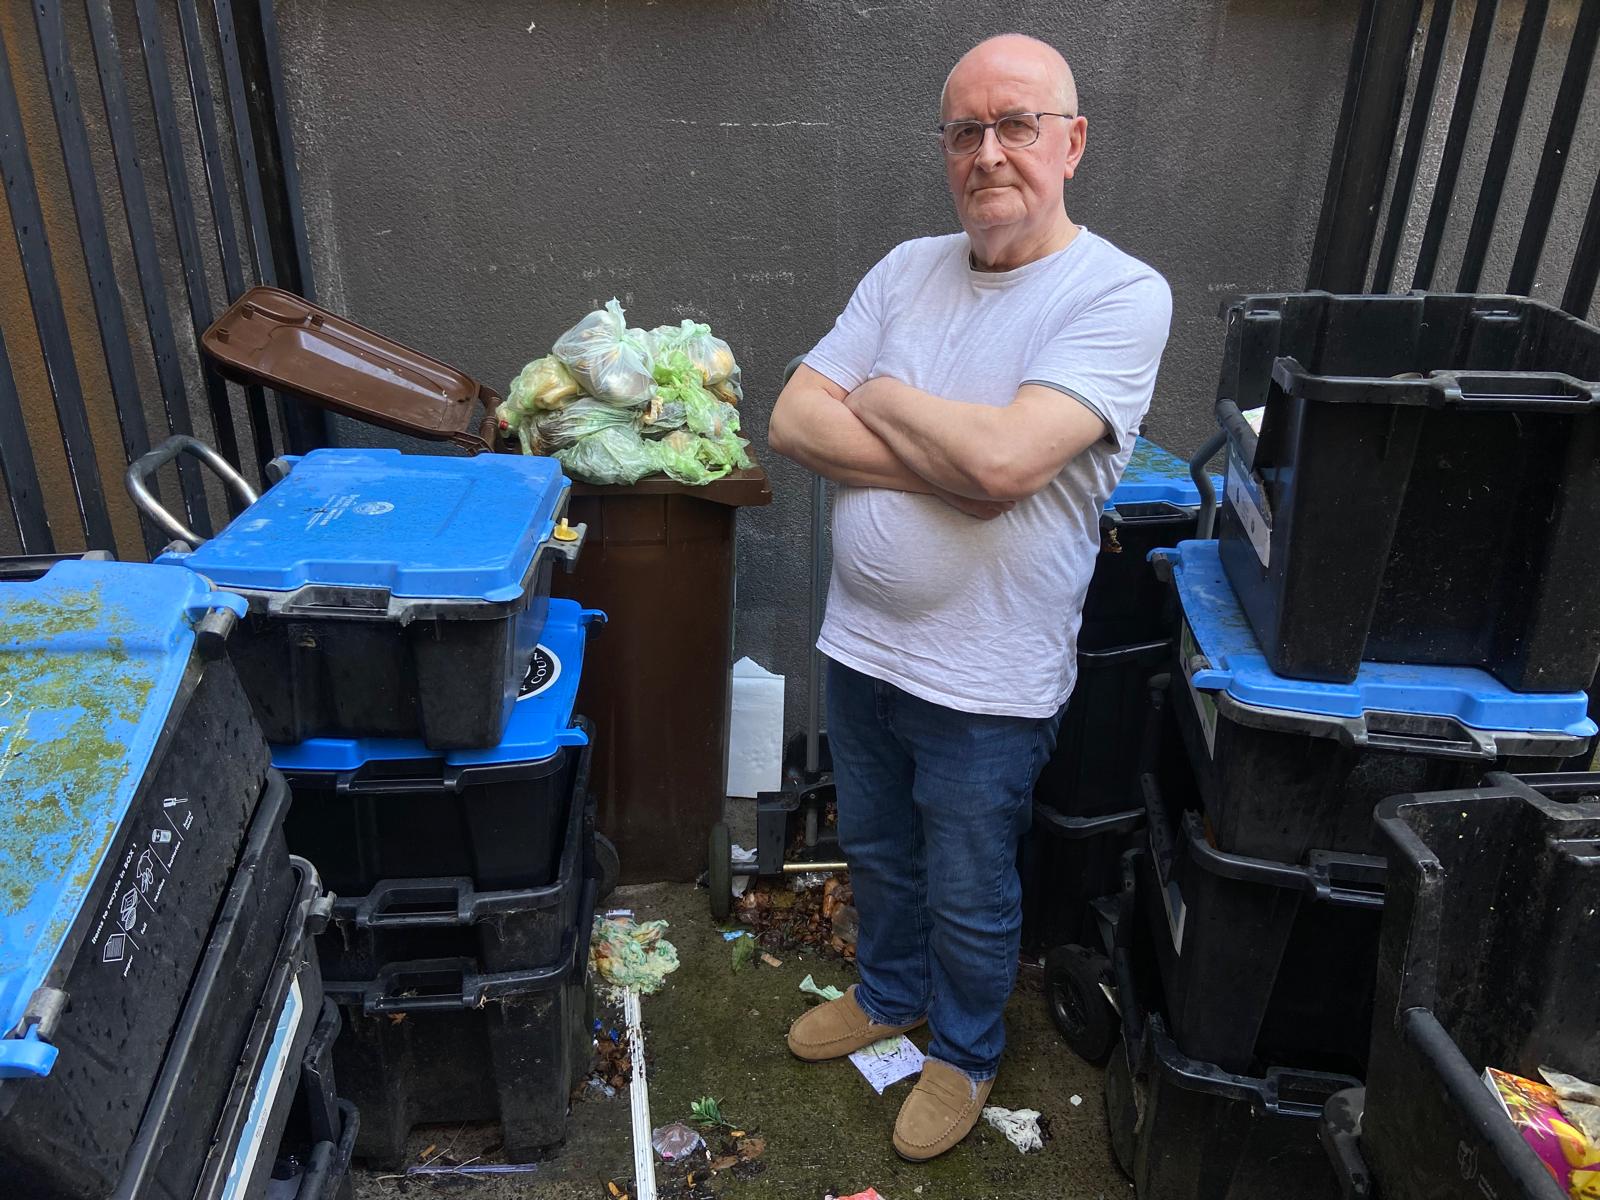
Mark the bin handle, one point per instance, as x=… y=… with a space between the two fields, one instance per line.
x=390 y=992
x=142 y=468
x=380 y=907
x=1202 y=482
x=1472 y=744
x=1493 y=389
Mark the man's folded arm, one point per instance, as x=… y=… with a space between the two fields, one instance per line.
x=995 y=453
x=812 y=425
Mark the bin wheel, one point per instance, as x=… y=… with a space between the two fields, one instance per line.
x=610 y=864
x=1078 y=1006
x=719 y=872
x=1122 y=1108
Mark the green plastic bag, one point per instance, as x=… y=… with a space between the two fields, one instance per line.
x=610 y=361
x=614 y=455
x=712 y=357
x=680 y=456
x=560 y=429
x=543 y=384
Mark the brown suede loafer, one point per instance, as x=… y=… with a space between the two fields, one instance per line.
x=941 y=1110
x=836 y=1028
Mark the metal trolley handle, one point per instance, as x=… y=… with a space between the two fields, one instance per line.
x=142 y=468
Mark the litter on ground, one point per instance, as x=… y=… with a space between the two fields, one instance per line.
x=888 y=1061
x=1021 y=1126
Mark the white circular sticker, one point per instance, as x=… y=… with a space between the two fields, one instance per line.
x=374 y=508
x=543 y=671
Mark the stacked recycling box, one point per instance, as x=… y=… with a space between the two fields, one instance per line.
x=1397 y=602
x=418 y=684
x=159 y=983
x=1086 y=805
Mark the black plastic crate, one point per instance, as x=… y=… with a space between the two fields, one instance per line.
x=1423 y=488
x=500 y=826
x=1185 y=1129
x=1126 y=604
x=1261 y=962
x=134 y=781
x=266 y=1073
x=505 y=1047
x=404 y=920
x=314 y=1153
x=1306 y=771
x=1488 y=960
x=370 y=810
x=390 y=595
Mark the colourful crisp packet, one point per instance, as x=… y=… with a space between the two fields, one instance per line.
x=1532 y=1107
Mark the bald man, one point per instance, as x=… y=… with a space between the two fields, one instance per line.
x=976 y=403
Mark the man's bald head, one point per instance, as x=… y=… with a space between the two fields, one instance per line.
x=1009 y=54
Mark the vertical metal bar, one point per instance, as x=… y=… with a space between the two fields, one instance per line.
x=1405 y=180
x=250 y=186
x=205 y=117
x=244 y=144
x=1579 y=293
x=1455 y=142
x=1512 y=101
x=819 y=522
x=146 y=253
x=16 y=464
x=304 y=426
x=27 y=222
x=1557 y=142
x=181 y=202
x=1363 y=144
x=96 y=247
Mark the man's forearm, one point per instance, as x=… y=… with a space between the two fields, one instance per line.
x=946 y=442
x=828 y=438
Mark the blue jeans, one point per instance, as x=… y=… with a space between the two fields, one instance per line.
x=932 y=803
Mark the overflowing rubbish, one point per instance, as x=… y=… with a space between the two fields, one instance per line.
x=818 y=918
x=888 y=1061
x=626 y=954
x=1021 y=1126
x=614 y=404
x=808 y=984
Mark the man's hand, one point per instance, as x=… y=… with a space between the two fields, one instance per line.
x=986 y=452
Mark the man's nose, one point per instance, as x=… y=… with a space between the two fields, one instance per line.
x=990 y=152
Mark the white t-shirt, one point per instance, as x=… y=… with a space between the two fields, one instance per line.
x=982 y=616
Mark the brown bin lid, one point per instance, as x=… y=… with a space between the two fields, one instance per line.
x=283 y=341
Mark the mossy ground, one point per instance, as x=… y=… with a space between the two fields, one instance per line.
x=715 y=1032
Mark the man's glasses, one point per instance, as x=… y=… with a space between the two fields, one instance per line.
x=1015 y=132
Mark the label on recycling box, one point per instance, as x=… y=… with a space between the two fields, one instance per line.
x=1250 y=504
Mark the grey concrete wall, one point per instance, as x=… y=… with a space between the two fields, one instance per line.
x=478 y=174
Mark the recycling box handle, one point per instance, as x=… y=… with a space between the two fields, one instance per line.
x=452 y=984
x=1545 y=391
x=141 y=469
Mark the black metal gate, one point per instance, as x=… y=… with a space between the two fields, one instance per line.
x=130 y=152
x=1377 y=180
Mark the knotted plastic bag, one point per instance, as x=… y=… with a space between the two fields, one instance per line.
x=614 y=455
x=712 y=356
x=610 y=361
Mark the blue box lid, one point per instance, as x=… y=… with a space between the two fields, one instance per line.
x=1154 y=475
x=422 y=526
x=92 y=656
x=1473 y=697
x=540 y=724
